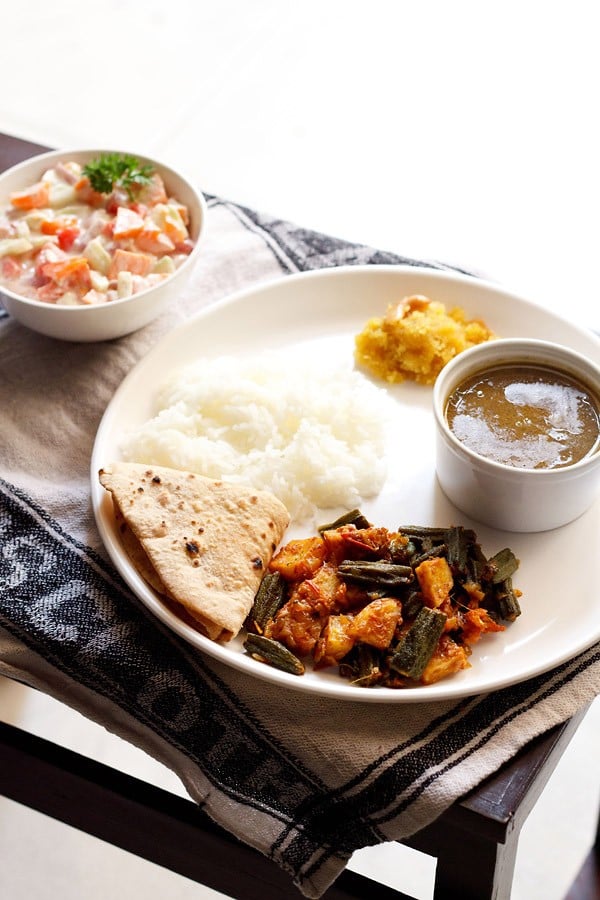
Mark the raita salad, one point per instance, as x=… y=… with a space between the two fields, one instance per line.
x=90 y=234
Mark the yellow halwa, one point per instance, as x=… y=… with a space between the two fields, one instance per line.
x=415 y=339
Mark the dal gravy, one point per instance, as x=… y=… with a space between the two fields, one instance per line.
x=526 y=416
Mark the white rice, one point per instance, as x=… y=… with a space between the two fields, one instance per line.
x=311 y=432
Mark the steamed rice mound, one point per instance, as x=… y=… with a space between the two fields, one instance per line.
x=310 y=431
x=415 y=339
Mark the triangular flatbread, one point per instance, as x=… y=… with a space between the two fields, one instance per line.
x=204 y=544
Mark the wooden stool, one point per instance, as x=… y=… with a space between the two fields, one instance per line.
x=474 y=842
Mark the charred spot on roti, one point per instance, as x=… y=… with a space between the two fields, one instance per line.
x=257 y=563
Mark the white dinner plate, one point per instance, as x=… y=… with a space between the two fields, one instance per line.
x=318 y=313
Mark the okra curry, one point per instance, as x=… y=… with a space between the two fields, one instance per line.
x=391 y=608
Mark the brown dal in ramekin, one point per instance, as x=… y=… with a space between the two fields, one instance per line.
x=526 y=416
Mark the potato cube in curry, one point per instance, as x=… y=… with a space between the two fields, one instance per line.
x=337 y=639
x=376 y=623
x=298 y=624
x=448 y=658
x=299 y=559
x=435 y=580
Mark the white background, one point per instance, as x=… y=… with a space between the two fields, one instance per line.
x=461 y=131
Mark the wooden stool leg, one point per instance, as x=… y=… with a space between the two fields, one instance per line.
x=475 y=840
x=470 y=868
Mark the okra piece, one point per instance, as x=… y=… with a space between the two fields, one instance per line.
x=423 y=532
x=411 y=605
x=436 y=550
x=501 y=566
x=425 y=536
x=506 y=600
x=376 y=574
x=416 y=647
x=270 y=597
x=458 y=542
x=362 y=666
x=477 y=562
x=273 y=653
x=354 y=517
x=369 y=665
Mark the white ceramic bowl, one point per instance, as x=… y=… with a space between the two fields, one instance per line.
x=118 y=317
x=500 y=495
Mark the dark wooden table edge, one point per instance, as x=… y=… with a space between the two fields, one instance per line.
x=14 y=150
x=150 y=822
x=164 y=828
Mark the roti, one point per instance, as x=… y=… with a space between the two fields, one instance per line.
x=203 y=544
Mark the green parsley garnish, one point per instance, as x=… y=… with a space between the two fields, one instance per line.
x=117 y=170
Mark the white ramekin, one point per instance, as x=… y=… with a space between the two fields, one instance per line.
x=502 y=496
